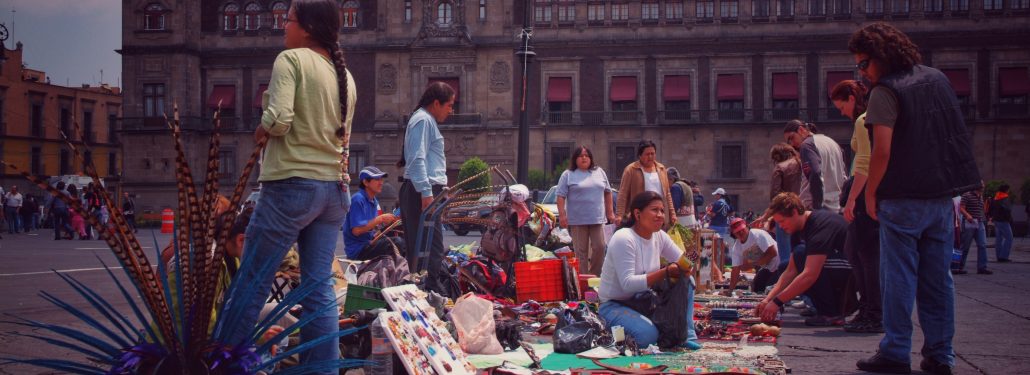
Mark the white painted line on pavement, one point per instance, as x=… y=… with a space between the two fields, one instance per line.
x=61 y=271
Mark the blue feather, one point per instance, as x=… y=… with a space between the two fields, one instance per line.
x=98 y=303
x=292 y=298
x=161 y=269
x=59 y=365
x=233 y=309
x=132 y=303
x=322 y=366
x=97 y=356
x=121 y=341
x=305 y=319
x=82 y=337
x=305 y=346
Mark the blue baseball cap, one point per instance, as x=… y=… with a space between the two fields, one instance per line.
x=370 y=172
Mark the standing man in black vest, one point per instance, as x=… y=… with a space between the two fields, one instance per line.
x=921 y=158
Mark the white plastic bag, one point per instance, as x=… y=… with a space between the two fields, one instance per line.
x=473 y=318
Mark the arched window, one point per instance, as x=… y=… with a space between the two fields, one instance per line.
x=350 y=14
x=231 y=17
x=154 y=17
x=444 y=14
x=252 y=16
x=279 y=13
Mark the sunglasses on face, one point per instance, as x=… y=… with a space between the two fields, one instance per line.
x=862 y=65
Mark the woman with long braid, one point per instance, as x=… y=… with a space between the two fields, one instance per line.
x=307 y=113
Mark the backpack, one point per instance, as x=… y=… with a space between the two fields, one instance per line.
x=487 y=273
x=500 y=241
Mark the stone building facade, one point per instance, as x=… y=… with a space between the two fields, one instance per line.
x=712 y=82
x=35 y=113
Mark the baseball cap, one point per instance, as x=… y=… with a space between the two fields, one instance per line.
x=371 y=172
x=719 y=191
x=736 y=224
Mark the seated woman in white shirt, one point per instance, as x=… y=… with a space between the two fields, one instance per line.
x=631 y=266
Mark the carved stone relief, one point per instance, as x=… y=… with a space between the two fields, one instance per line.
x=387 y=82
x=500 y=77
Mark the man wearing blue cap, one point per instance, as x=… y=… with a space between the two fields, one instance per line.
x=363 y=218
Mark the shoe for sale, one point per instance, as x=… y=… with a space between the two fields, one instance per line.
x=958 y=272
x=984 y=272
x=931 y=365
x=1006 y=260
x=807 y=312
x=824 y=321
x=878 y=363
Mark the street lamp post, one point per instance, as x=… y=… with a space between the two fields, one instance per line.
x=525 y=54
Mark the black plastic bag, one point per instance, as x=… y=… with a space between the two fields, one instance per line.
x=575 y=338
x=670 y=316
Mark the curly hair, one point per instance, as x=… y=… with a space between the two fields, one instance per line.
x=781 y=152
x=848 y=88
x=887 y=44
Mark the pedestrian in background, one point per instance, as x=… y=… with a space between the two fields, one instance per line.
x=1001 y=214
x=822 y=164
x=306 y=119
x=425 y=176
x=645 y=174
x=682 y=199
x=720 y=212
x=972 y=227
x=30 y=214
x=12 y=207
x=584 y=206
x=57 y=209
x=921 y=158
x=699 y=199
x=129 y=210
x=786 y=178
x=863 y=243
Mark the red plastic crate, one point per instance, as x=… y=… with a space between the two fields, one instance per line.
x=540 y=281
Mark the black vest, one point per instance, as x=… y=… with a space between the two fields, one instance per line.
x=931 y=151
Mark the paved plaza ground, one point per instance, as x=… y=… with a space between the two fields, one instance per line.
x=992 y=311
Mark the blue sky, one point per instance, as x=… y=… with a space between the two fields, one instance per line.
x=70 y=40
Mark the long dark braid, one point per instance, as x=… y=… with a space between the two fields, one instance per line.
x=340 y=64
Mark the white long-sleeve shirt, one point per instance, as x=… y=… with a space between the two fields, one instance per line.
x=628 y=261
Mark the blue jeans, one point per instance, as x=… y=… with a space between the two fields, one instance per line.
x=13 y=219
x=783 y=247
x=916 y=243
x=639 y=326
x=310 y=213
x=980 y=235
x=1002 y=239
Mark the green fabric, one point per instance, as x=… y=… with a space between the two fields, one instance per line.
x=561 y=361
x=301 y=113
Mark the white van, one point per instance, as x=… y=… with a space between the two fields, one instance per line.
x=79 y=181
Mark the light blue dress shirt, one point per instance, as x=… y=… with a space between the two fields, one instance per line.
x=424 y=157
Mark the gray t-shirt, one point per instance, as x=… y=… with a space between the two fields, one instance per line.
x=584 y=195
x=883 y=107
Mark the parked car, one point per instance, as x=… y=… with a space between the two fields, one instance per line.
x=485 y=206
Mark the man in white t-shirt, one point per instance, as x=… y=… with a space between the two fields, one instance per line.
x=752 y=248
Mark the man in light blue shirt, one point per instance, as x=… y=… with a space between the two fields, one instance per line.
x=425 y=175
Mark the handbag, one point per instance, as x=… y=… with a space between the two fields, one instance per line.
x=643 y=302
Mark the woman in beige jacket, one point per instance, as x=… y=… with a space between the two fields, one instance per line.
x=646 y=174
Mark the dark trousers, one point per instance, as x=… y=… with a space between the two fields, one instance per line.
x=411 y=212
x=862 y=248
x=381 y=247
x=832 y=295
x=763 y=279
x=61 y=223
x=131 y=220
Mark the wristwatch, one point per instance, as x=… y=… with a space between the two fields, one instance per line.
x=777 y=301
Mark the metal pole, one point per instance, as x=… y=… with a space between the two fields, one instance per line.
x=524 y=54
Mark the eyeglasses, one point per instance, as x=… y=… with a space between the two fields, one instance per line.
x=862 y=65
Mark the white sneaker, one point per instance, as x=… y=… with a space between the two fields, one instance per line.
x=798 y=305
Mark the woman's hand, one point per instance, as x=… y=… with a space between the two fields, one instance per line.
x=563 y=221
x=849 y=210
x=673 y=270
x=870 y=204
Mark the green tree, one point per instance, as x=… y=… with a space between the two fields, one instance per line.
x=559 y=168
x=470 y=168
x=992 y=187
x=537 y=180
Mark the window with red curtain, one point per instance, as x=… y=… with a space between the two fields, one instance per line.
x=676 y=88
x=226 y=94
x=623 y=89
x=559 y=89
x=730 y=87
x=349 y=13
x=231 y=17
x=833 y=78
x=959 y=79
x=257 y=97
x=1013 y=81
x=785 y=86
